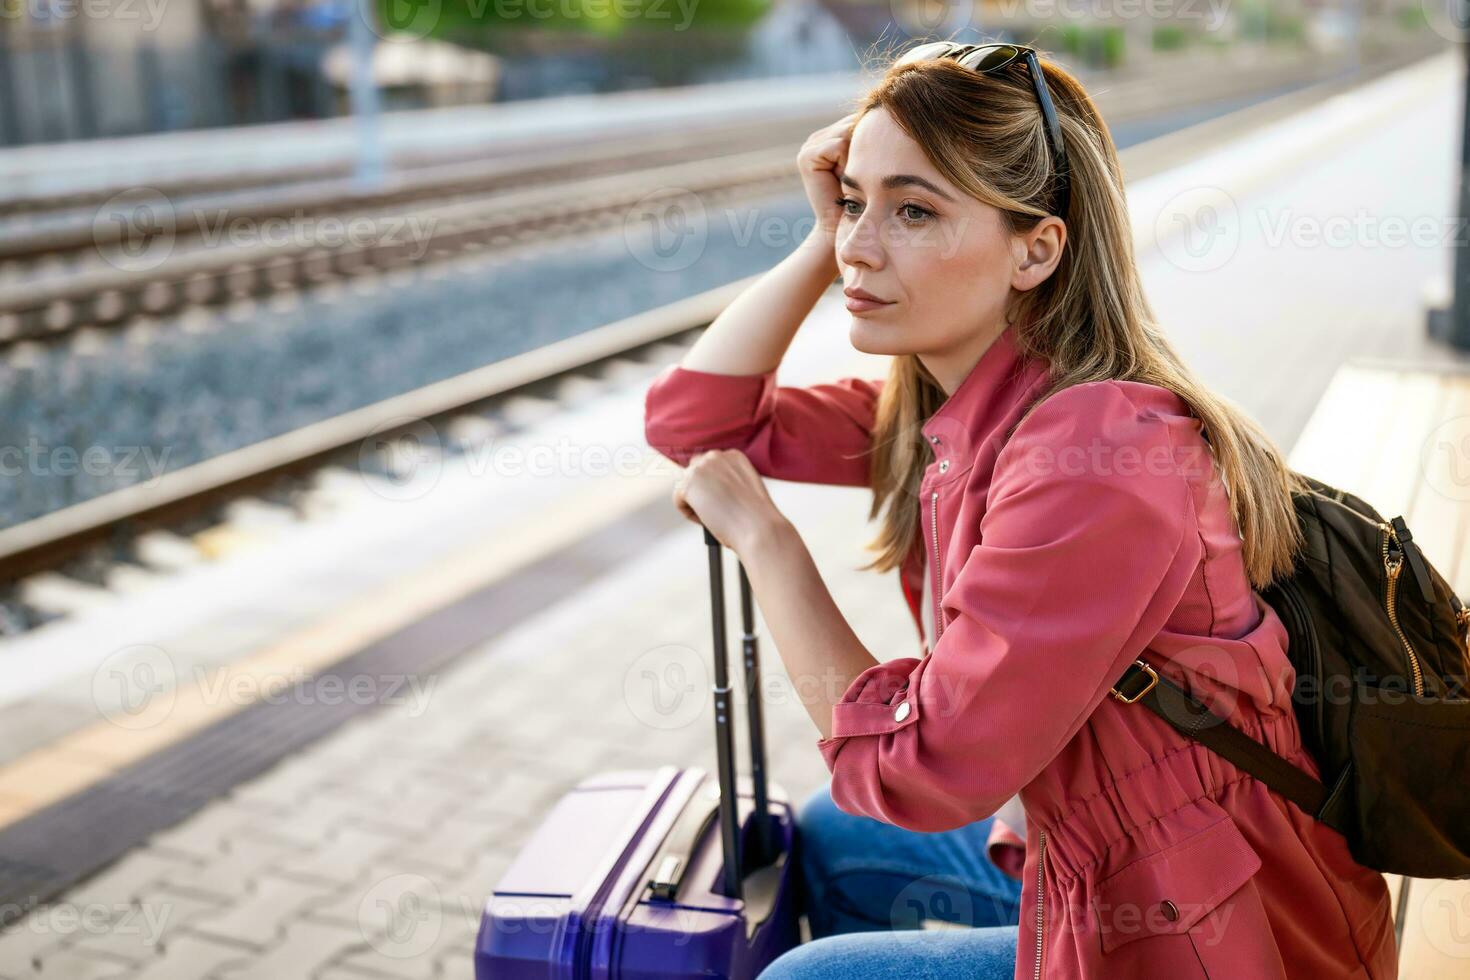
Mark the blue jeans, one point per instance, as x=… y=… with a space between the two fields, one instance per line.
x=870 y=886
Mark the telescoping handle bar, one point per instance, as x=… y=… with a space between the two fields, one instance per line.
x=724 y=726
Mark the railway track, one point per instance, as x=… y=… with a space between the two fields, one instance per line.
x=153 y=256
x=202 y=276
x=88 y=543
x=70 y=241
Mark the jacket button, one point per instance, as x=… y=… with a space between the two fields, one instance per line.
x=943 y=465
x=902 y=712
x=1171 y=911
x=934 y=440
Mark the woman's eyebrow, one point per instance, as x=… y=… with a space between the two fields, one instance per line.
x=899 y=180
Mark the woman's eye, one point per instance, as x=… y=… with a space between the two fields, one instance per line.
x=911 y=212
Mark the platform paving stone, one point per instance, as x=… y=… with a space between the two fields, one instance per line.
x=418 y=924
x=302 y=828
x=455 y=842
x=302 y=950
x=191 y=957
x=23 y=944
x=70 y=964
x=112 y=890
x=456 y=968
x=371 y=967
x=341 y=858
x=289 y=786
x=157 y=916
x=205 y=835
x=258 y=917
x=233 y=873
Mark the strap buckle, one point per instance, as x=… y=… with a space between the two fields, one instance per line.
x=1136 y=670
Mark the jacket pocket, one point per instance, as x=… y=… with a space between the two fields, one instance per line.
x=1189 y=909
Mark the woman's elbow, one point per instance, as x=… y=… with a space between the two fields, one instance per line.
x=917 y=799
x=911 y=812
x=679 y=437
x=669 y=442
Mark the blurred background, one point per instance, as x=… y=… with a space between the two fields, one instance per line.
x=331 y=551
x=79 y=70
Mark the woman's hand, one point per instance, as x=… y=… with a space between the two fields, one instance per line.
x=721 y=489
x=821 y=155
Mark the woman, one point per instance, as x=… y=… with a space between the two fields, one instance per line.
x=1039 y=461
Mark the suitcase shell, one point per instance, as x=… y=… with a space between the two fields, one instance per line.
x=575 y=904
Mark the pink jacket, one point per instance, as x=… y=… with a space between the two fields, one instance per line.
x=1093 y=535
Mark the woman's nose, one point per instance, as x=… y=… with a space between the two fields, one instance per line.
x=861 y=243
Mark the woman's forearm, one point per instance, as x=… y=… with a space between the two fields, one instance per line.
x=750 y=336
x=823 y=656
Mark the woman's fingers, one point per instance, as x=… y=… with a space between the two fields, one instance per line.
x=681 y=501
x=838 y=132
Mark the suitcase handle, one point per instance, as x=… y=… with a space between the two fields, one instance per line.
x=673 y=858
x=724 y=727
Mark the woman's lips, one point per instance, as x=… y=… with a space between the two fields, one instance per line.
x=860 y=304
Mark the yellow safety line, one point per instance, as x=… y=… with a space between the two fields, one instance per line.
x=86 y=756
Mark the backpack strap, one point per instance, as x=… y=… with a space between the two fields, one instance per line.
x=1140 y=683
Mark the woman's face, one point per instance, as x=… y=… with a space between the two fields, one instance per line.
x=942 y=260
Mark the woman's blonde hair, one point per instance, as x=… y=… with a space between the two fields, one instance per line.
x=1090 y=319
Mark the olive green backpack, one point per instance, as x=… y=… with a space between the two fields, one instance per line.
x=1379 y=641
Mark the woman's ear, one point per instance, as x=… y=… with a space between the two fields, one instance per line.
x=1037 y=252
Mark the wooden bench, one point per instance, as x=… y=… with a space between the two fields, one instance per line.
x=1399 y=437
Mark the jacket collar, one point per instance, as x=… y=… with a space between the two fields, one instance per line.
x=974 y=411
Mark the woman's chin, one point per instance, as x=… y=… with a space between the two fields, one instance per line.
x=871 y=337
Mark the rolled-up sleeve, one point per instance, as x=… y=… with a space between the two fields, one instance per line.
x=1006 y=848
x=820 y=433
x=1088 y=542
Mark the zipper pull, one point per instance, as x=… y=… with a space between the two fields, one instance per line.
x=1415 y=558
x=1462 y=617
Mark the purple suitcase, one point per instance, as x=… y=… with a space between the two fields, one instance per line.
x=638 y=875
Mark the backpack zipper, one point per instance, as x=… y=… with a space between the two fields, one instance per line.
x=1313 y=655
x=934 y=523
x=1462 y=616
x=1394 y=565
x=1040 y=906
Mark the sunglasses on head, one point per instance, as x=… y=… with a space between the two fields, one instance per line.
x=988 y=59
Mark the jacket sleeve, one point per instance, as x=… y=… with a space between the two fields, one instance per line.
x=1006 y=848
x=817 y=434
x=1087 y=544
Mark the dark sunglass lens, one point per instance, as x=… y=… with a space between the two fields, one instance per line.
x=991 y=57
